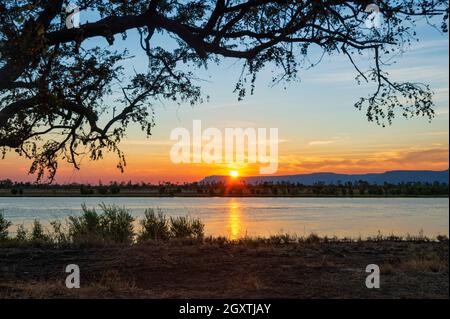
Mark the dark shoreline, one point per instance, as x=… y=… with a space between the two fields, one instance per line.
x=209 y=196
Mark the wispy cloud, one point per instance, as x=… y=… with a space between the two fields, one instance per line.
x=314 y=143
x=419 y=73
x=436 y=133
x=324 y=142
x=429 y=46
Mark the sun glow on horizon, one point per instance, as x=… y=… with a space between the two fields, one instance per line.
x=234 y=174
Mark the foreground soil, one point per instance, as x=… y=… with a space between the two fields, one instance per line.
x=223 y=270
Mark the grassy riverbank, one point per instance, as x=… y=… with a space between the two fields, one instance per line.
x=216 y=268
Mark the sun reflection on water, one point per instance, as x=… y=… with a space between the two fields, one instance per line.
x=234 y=228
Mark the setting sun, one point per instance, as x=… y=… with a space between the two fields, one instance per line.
x=234 y=174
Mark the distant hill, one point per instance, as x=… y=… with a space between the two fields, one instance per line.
x=393 y=177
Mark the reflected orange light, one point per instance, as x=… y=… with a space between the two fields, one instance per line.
x=234 y=220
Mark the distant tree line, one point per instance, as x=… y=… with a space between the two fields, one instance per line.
x=360 y=188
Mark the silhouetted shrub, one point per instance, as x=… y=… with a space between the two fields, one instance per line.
x=313 y=238
x=115 y=224
x=21 y=234
x=102 y=190
x=86 y=191
x=186 y=227
x=114 y=189
x=4 y=225
x=38 y=233
x=155 y=226
x=85 y=227
x=58 y=236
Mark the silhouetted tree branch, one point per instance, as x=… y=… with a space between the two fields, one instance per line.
x=55 y=90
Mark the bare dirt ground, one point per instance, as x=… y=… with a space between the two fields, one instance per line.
x=215 y=270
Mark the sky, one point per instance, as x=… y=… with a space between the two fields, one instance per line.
x=319 y=130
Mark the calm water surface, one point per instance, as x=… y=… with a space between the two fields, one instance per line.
x=236 y=217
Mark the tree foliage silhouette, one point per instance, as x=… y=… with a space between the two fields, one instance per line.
x=55 y=90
